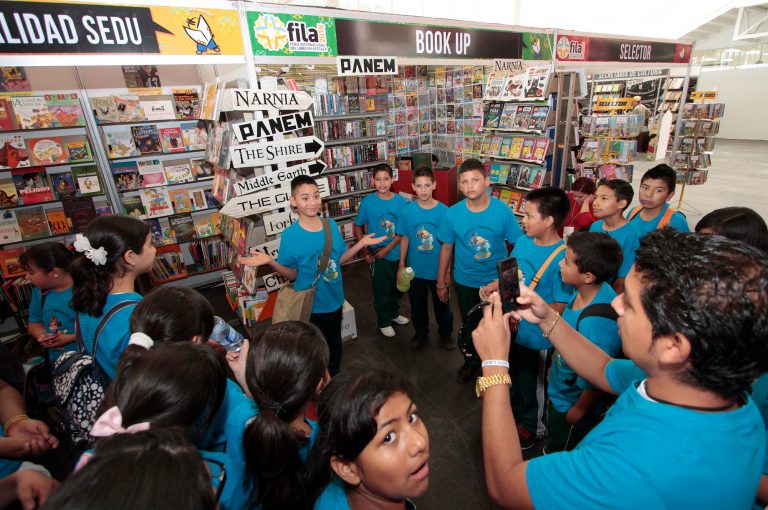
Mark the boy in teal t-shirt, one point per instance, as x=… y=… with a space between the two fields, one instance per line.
x=683 y=409
x=611 y=199
x=590 y=261
x=379 y=213
x=657 y=187
x=301 y=245
x=420 y=249
x=478 y=228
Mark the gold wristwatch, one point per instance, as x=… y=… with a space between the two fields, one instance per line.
x=484 y=383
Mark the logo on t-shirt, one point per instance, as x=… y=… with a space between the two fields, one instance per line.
x=332 y=271
x=54 y=324
x=426 y=239
x=480 y=245
x=388 y=226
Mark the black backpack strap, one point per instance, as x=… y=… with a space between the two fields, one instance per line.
x=604 y=310
x=104 y=320
x=325 y=258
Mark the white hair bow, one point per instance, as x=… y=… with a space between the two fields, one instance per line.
x=96 y=255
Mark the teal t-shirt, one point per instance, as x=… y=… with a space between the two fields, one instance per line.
x=56 y=315
x=530 y=258
x=233 y=495
x=334 y=497
x=565 y=386
x=300 y=249
x=760 y=396
x=115 y=335
x=479 y=240
x=8 y=466
x=677 y=221
x=215 y=436
x=648 y=455
x=421 y=226
x=382 y=218
x=628 y=238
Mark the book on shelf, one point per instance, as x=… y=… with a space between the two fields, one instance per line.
x=536 y=177
x=104 y=210
x=65 y=110
x=513 y=175
x=31 y=112
x=523 y=116
x=88 y=180
x=158 y=107
x=32 y=223
x=495 y=145
x=168 y=264
x=538 y=119
x=151 y=173
x=133 y=206
x=183 y=227
x=203 y=227
x=13 y=152
x=119 y=142
x=156 y=202
x=147 y=139
x=198 y=199
x=540 y=147
x=171 y=139
x=126 y=174
x=58 y=222
x=128 y=108
x=507 y=120
x=63 y=184
x=536 y=83
x=194 y=135
x=104 y=110
x=527 y=151
x=32 y=185
x=492 y=115
x=514 y=87
x=506 y=146
x=187 y=103
x=9 y=228
x=9 y=197
x=9 y=262
x=81 y=210
x=76 y=149
x=516 y=148
x=6 y=116
x=162 y=234
x=201 y=169
x=494 y=86
x=178 y=171
x=182 y=202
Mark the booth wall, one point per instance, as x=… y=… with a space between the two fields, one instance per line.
x=746 y=103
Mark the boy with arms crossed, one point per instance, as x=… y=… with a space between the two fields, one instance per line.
x=693 y=323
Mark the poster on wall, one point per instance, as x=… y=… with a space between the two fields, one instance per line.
x=73 y=28
x=140 y=77
x=291 y=34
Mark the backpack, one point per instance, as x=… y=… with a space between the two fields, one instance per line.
x=80 y=383
x=604 y=310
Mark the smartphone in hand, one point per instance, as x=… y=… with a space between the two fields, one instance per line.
x=509 y=283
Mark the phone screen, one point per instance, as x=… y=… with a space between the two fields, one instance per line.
x=509 y=283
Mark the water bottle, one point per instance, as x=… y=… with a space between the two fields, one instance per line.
x=404 y=282
x=225 y=335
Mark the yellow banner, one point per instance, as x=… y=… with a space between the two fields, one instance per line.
x=198 y=31
x=608 y=105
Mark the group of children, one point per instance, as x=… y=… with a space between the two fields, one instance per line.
x=177 y=432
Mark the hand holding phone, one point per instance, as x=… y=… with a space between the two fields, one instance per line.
x=509 y=283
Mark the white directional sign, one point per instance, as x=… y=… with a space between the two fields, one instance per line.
x=249 y=131
x=278 y=177
x=263 y=201
x=260 y=154
x=270 y=248
x=273 y=281
x=277 y=222
x=247 y=100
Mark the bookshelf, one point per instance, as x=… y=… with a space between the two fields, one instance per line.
x=609 y=146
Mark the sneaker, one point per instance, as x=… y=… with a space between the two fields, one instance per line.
x=400 y=320
x=447 y=342
x=527 y=439
x=389 y=331
x=417 y=342
x=467 y=372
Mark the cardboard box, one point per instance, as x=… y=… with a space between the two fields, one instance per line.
x=348 y=324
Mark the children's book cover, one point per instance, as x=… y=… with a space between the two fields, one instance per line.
x=104 y=110
x=197 y=196
x=126 y=175
x=128 y=108
x=516 y=149
x=506 y=145
x=77 y=150
x=495 y=145
x=178 y=171
x=58 y=221
x=514 y=175
x=6 y=116
x=187 y=103
x=63 y=184
x=494 y=85
x=523 y=116
x=182 y=203
x=46 y=151
x=536 y=85
x=540 y=149
x=133 y=206
x=88 y=180
x=119 y=142
x=156 y=202
x=538 y=119
x=81 y=210
x=13 y=152
x=158 y=107
x=33 y=223
x=536 y=177
x=172 y=139
x=514 y=87
x=183 y=227
x=9 y=196
x=162 y=234
x=65 y=110
x=147 y=138
x=151 y=173
x=493 y=115
x=203 y=227
x=31 y=112
x=9 y=258
x=201 y=169
x=194 y=135
x=32 y=186
x=507 y=120
x=527 y=152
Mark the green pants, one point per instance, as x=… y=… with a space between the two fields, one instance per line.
x=386 y=297
x=528 y=369
x=467 y=297
x=562 y=436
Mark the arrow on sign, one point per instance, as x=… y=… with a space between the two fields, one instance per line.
x=263 y=201
x=249 y=131
x=260 y=154
x=279 y=177
x=246 y=100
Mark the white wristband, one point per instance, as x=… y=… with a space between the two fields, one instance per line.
x=495 y=363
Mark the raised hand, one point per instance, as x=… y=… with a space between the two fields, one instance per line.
x=369 y=240
x=492 y=336
x=256 y=258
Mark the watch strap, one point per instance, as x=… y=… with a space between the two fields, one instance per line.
x=483 y=383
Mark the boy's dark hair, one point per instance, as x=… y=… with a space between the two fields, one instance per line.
x=435 y=159
x=550 y=201
x=382 y=167
x=663 y=172
x=301 y=180
x=596 y=253
x=621 y=188
x=713 y=290
x=471 y=165
x=282 y=373
x=423 y=171
x=347 y=417
x=740 y=223
x=92 y=284
x=47 y=256
x=153 y=469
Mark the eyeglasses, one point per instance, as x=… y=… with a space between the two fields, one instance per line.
x=218 y=475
